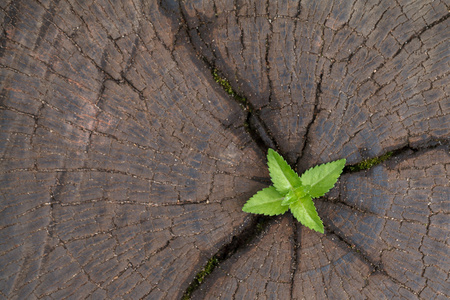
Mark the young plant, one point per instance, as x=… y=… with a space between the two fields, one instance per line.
x=290 y=191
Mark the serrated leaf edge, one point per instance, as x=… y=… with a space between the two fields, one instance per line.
x=322 y=165
x=275 y=153
x=315 y=210
x=263 y=213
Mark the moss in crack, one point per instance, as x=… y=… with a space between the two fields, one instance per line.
x=369 y=163
x=225 y=84
x=212 y=263
x=252 y=123
x=257 y=226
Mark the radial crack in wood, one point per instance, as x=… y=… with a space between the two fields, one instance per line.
x=124 y=165
x=396 y=214
x=387 y=238
x=333 y=79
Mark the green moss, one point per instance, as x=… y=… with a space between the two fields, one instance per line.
x=369 y=163
x=226 y=85
x=260 y=225
x=200 y=277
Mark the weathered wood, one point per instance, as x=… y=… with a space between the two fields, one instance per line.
x=260 y=270
x=387 y=238
x=333 y=79
x=124 y=166
x=397 y=216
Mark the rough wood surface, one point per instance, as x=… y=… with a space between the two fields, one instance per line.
x=326 y=76
x=387 y=237
x=124 y=165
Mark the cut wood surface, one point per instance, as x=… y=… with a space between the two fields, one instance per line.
x=125 y=164
x=333 y=79
x=387 y=238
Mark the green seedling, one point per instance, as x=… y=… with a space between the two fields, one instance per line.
x=290 y=191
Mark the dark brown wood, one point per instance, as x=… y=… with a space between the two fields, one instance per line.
x=396 y=216
x=386 y=237
x=333 y=79
x=124 y=165
x=260 y=271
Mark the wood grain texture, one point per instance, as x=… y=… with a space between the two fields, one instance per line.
x=386 y=237
x=124 y=165
x=260 y=271
x=333 y=79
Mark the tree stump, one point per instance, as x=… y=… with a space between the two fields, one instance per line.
x=132 y=133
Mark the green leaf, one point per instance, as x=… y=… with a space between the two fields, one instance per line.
x=295 y=195
x=322 y=178
x=283 y=177
x=305 y=212
x=266 y=202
